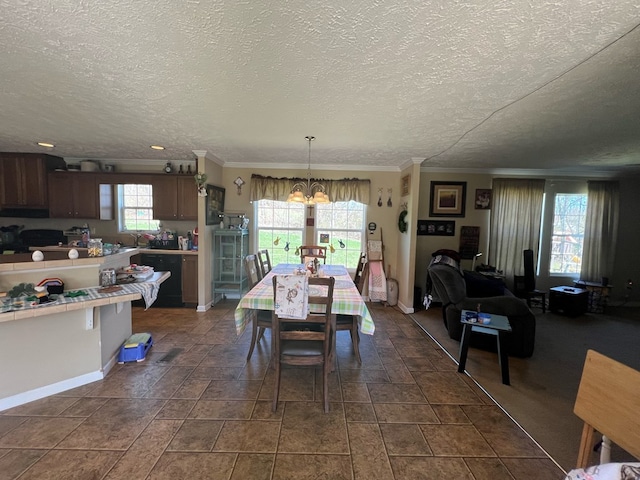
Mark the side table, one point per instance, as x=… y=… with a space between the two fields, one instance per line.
x=569 y=300
x=598 y=295
x=498 y=326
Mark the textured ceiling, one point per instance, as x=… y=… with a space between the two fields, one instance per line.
x=467 y=84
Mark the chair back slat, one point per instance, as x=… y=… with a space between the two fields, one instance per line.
x=309 y=252
x=252 y=270
x=265 y=261
x=358 y=277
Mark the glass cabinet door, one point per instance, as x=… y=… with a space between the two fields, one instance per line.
x=230 y=248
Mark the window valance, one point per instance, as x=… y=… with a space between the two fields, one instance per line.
x=270 y=188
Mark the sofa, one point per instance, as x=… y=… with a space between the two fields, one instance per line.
x=447 y=282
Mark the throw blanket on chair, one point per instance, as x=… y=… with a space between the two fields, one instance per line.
x=292 y=296
x=377 y=278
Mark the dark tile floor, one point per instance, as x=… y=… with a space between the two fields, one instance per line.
x=196 y=409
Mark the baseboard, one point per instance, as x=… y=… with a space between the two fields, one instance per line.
x=42 y=392
x=204 y=308
x=405 y=309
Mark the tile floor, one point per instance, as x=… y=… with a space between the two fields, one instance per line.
x=196 y=409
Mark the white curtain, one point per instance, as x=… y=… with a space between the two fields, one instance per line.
x=516 y=212
x=601 y=230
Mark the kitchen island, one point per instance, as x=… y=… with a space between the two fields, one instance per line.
x=69 y=342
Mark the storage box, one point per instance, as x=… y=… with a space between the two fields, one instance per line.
x=568 y=300
x=135 y=348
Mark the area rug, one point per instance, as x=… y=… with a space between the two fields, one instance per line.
x=543 y=388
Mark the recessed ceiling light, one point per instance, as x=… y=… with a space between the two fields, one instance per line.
x=157 y=147
x=45 y=144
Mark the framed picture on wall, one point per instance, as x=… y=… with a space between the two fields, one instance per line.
x=405 y=183
x=437 y=227
x=483 y=199
x=447 y=199
x=214 y=204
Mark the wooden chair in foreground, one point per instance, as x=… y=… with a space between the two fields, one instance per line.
x=301 y=345
x=607 y=402
x=265 y=262
x=309 y=252
x=261 y=319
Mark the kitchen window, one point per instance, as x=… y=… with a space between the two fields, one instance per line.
x=282 y=227
x=135 y=212
x=340 y=225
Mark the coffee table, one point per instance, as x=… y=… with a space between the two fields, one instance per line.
x=498 y=326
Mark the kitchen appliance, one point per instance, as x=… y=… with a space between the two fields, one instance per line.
x=42 y=237
x=9 y=234
x=164 y=244
x=170 y=292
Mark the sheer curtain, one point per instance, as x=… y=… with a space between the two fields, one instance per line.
x=343 y=190
x=516 y=213
x=601 y=230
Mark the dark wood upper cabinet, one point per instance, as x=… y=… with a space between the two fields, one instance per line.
x=187 y=198
x=73 y=195
x=23 y=179
x=165 y=197
x=175 y=197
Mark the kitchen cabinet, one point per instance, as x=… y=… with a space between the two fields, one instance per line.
x=174 y=197
x=77 y=195
x=229 y=249
x=23 y=179
x=187 y=198
x=170 y=292
x=190 y=279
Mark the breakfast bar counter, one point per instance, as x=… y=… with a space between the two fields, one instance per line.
x=72 y=340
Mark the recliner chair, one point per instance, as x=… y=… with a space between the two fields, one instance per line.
x=450 y=288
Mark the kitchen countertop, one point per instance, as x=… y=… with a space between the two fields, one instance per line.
x=56 y=248
x=129 y=292
x=67 y=262
x=167 y=252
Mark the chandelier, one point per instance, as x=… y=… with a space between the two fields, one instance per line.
x=308 y=193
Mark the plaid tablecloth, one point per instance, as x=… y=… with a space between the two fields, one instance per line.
x=346 y=298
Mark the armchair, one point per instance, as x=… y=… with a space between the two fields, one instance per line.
x=449 y=286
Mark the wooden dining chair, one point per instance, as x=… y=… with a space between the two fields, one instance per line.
x=309 y=252
x=307 y=342
x=261 y=319
x=350 y=322
x=358 y=278
x=265 y=262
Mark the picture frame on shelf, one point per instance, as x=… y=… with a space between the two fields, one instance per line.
x=445 y=228
x=448 y=199
x=214 y=204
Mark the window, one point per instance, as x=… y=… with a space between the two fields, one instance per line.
x=136 y=208
x=341 y=226
x=281 y=228
x=569 y=216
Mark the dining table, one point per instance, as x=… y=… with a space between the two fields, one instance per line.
x=346 y=297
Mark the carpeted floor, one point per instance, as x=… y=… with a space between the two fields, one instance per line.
x=543 y=387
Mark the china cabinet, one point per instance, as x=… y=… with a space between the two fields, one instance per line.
x=230 y=246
